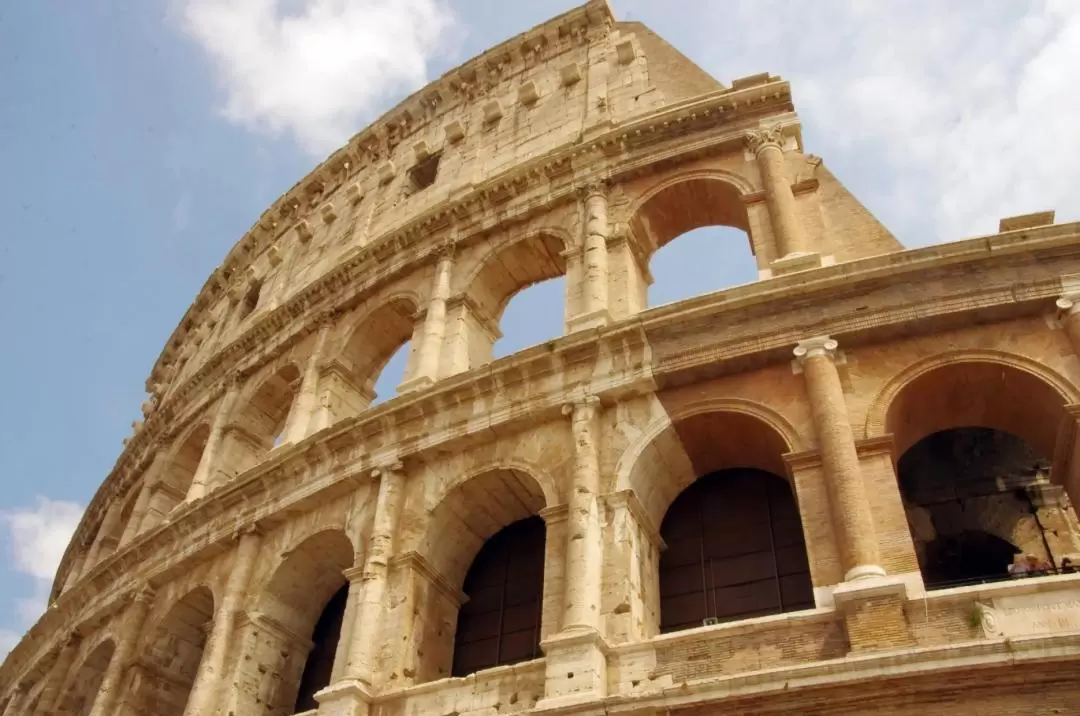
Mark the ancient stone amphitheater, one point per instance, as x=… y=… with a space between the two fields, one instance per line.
x=809 y=492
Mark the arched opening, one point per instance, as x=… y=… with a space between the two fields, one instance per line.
x=297 y=624
x=168 y=668
x=976 y=441
x=530 y=317
x=260 y=425
x=714 y=249
x=525 y=271
x=250 y=302
x=971 y=497
x=378 y=353
x=181 y=468
x=81 y=691
x=500 y=622
x=700 y=261
x=735 y=550
x=735 y=544
x=497 y=560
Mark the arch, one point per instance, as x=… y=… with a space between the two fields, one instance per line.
x=735 y=550
x=82 y=689
x=510 y=267
x=304 y=599
x=499 y=624
x=374 y=339
x=527 y=470
x=975 y=497
x=474 y=510
x=754 y=436
x=172 y=655
x=689 y=200
x=182 y=463
x=1037 y=375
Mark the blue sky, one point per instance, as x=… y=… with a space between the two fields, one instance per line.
x=139 y=140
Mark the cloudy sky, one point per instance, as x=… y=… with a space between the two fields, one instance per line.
x=139 y=140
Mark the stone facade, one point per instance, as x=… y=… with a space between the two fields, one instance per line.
x=262 y=486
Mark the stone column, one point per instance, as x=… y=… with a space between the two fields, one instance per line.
x=352 y=693
x=594 y=293
x=127 y=645
x=427 y=362
x=1069 y=314
x=361 y=662
x=584 y=557
x=355 y=577
x=204 y=692
x=576 y=657
x=142 y=504
x=201 y=479
x=50 y=691
x=15 y=703
x=847 y=493
x=302 y=416
x=767 y=144
x=103 y=539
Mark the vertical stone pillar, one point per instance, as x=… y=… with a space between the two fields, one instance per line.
x=50 y=691
x=142 y=502
x=15 y=702
x=355 y=577
x=584 y=557
x=1069 y=314
x=127 y=645
x=104 y=541
x=352 y=694
x=302 y=416
x=594 y=292
x=847 y=493
x=204 y=692
x=213 y=443
x=767 y=144
x=428 y=358
x=576 y=657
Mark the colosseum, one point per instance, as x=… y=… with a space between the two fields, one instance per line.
x=842 y=488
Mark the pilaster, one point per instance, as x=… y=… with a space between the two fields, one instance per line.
x=594 y=276
x=127 y=646
x=200 y=481
x=434 y=330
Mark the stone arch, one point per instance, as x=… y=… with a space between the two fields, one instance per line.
x=549 y=490
x=373 y=340
x=294 y=639
x=171 y=655
x=1035 y=423
x=259 y=421
x=478 y=511
x=509 y=267
x=661 y=437
x=709 y=207
x=83 y=684
x=974 y=435
x=183 y=461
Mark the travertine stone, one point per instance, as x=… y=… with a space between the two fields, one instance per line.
x=847 y=493
x=50 y=691
x=611 y=145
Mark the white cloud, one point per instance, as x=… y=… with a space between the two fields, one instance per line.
x=949 y=115
x=37 y=537
x=317 y=69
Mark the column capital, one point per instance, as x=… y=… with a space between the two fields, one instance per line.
x=446 y=250
x=391 y=467
x=594 y=187
x=816 y=346
x=585 y=407
x=762 y=138
x=143 y=594
x=1068 y=305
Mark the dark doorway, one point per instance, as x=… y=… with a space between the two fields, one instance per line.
x=500 y=623
x=967 y=558
x=320 y=661
x=734 y=550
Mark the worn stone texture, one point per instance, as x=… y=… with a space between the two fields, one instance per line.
x=263 y=484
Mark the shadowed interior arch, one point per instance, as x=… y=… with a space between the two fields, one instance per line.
x=508 y=569
x=306 y=596
x=170 y=662
x=83 y=687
